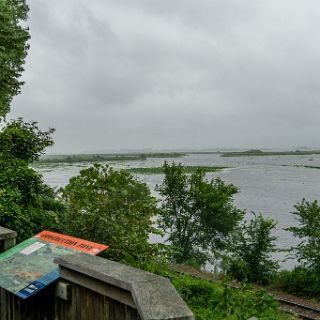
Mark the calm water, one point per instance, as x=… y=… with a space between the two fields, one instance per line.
x=264 y=183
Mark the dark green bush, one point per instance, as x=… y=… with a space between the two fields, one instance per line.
x=300 y=281
x=210 y=301
x=249 y=258
x=27 y=205
x=308 y=231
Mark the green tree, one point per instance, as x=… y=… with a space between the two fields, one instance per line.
x=304 y=279
x=197 y=215
x=27 y=205
x=308 y=231
x=110 y=207
x=13 y=50
x=250 y=251
x=24 y=141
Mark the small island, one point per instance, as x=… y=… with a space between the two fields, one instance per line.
x=259 y=153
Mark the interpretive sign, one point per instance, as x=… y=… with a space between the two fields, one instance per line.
x=28 y=267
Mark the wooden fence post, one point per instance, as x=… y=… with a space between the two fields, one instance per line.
x=7 y=239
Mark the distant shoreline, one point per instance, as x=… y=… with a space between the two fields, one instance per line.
x=186 y=169
x=77 y=158
x=83 y=158
x=259 y=153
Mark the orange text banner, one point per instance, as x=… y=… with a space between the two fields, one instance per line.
x=71 y=242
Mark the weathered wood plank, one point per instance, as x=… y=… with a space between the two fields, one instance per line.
x=154 y=296
x=7 y=234
x=132 y=314
x=158 y=299
x=7 y=239
x=107 y=271
x=115 y=293
x=62 y=290
x=37 y=307
x=88 y=304
x=44 y=305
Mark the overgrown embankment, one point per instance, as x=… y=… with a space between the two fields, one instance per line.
x=210 y=300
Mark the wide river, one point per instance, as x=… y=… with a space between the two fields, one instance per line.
x=267 y=184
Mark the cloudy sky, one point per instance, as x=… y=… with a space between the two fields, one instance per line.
x=166 y=74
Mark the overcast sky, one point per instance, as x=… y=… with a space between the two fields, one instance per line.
x=166 y=74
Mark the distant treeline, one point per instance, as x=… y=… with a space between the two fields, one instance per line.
x=186 y=169
x=256 y=152
x=301 y=166
x=75 y=158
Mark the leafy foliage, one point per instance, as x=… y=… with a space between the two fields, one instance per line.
x=215 y=300
x=249 y=252
x=305 y=279
x=212 y=301
x=299 y=281
x=196 y=214
x=26 y=203
x=111 y=207
x=24 y=141
x=13 y=50
x=308 y=250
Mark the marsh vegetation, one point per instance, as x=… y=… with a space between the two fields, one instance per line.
x=259 y=153
x=186 y=169
x=96 y=158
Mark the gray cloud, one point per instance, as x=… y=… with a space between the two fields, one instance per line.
x=173 y=74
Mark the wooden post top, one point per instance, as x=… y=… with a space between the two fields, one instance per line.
x=154 y=296
x=7 y=234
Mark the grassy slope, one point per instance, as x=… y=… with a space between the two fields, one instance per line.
x=212 y=300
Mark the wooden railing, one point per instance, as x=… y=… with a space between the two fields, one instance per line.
x=95 y=288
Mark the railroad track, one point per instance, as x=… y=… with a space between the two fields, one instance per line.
x=301 y=308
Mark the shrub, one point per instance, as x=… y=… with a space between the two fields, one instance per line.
x=27 y=205
x=249 y=253
x=216 y=301
x=308 y=230
x=300 y=281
